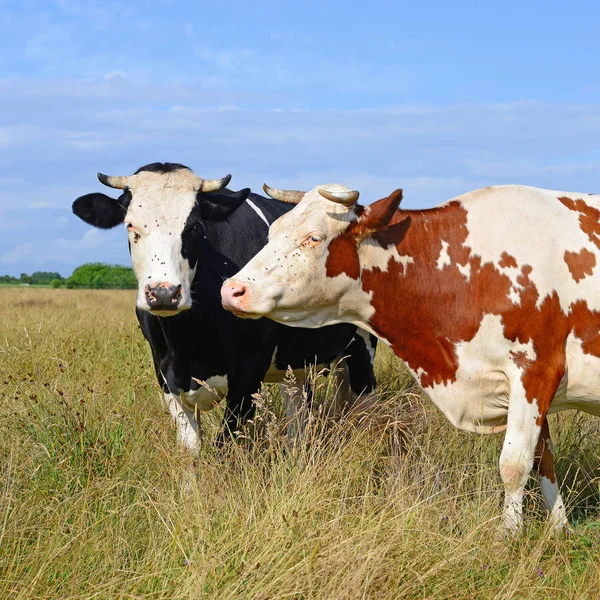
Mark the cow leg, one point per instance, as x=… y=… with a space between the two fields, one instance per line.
x=165 y=388
x=342 y=394
x=544 y=464
x=297 y=401
x=188 y=430
x=248 y=361
x=360 y=358
x=516 y=458
x=238 y=411
x=360 y=361
x=245 y=377
x=164 y=402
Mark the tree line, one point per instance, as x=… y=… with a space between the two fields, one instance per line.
x=89 y=275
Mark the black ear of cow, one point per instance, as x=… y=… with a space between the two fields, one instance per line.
x=99 y=210
x=217 y=206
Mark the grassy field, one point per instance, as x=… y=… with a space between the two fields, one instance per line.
x=96 y=501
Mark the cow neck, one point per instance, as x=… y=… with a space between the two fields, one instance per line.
x=176 y=331
x=226 y=246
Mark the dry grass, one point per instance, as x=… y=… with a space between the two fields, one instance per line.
x=97 y=502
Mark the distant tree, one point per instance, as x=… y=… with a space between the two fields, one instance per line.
x=44 y=277
x=89 y=275
x=102 y=276
x=120 y=277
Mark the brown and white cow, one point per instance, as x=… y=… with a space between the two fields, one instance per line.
x=492 y=299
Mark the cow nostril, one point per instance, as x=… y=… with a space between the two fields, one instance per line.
x=239 y=291
x=149 y=292
x=177 y=292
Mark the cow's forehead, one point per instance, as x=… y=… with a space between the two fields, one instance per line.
x=150 y=181
x=314 y=211
x=169 y=196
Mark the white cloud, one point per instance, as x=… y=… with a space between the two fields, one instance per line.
x=92 y=238
x=39 y=204
x=117 y=75
x=18 y=254
x=11 y=225
x=300 y=67
x=230 y=60
x=41 y=191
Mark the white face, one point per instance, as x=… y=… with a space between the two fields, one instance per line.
x=156 y=220
x=288 y=280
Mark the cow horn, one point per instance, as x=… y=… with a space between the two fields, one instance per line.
x=114 y=181
x=345 y=198
x=289 y=196
x=213 y=185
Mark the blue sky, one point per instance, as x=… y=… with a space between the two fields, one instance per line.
x=435 y=97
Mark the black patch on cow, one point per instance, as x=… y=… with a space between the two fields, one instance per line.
x=211 y=206
x=101 y=210
x=191 y=236
x=219 y=205
x=158 y=167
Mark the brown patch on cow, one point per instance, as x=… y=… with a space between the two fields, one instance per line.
x=547 y=327
x=543 y=457
x=589 y=218
x=342 y=257
x=580 y=264
x=506 y=260
x=520 y=359
x=585 y=324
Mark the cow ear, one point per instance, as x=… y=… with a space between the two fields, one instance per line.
x=218 y=206
x=101 y=210
x=378 y=215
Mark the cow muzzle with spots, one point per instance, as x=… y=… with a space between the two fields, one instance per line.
x=163 y=298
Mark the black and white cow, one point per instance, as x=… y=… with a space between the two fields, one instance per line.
x=186 y=236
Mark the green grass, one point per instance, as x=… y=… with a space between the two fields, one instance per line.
x=96 y=501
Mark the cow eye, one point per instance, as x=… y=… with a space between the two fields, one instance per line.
x=312 y=241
